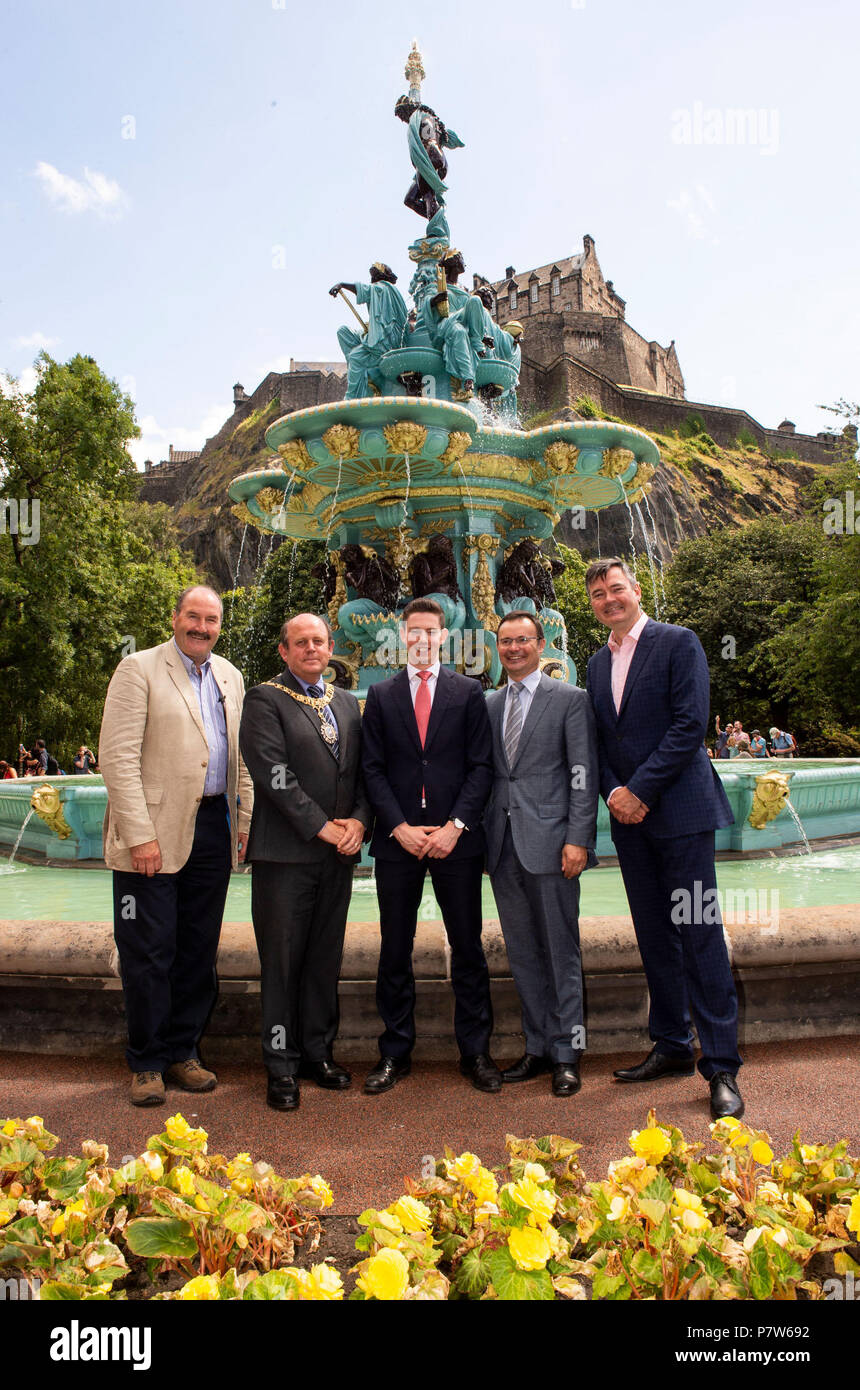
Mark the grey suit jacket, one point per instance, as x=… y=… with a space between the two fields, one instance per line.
x=551 y=791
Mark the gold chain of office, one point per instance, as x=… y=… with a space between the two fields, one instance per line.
x=319 y=704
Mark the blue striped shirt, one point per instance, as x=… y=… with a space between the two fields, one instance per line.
x=211 y=704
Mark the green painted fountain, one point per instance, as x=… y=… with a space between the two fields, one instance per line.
x=419 y=482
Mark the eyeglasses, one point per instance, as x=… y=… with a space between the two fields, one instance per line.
x=504 y=642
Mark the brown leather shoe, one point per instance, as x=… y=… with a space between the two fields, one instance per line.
x=191 y=1076
x=147 y=1088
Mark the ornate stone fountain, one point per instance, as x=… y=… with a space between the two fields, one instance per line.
x=419 y=482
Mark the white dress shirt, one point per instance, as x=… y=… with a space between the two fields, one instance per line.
x=415 y=680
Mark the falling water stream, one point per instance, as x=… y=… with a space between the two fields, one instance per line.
x=7 y=867
x=657 y=554
x=651 y=568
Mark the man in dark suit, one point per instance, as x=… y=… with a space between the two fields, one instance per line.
x=427 y=758
x=650 y=690
x=541 y=826
x=301 y=741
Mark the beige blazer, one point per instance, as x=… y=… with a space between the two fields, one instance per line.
x=153 y=755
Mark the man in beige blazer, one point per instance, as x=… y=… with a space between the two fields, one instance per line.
x=179 y=808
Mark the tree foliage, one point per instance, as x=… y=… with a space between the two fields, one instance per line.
x=254 y=616
x=104 y=571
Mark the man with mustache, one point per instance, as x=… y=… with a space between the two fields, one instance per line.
x=179 y=808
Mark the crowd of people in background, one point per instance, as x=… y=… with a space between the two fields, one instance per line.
x=39 y=762
x=734 y=742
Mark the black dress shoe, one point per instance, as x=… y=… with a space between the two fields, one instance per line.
x=657 y=1064
x=386 y=1074
x=482 y=1072
x=565 y=1078
x=527 y=1067
x=326 y=1074
x=282 y=1093
x=725 y=1097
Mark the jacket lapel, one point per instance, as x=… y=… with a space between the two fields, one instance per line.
x=287 y=679
x=642 y=654
x=603 y=683
x=540 y=700
x=444 y=691
x=402 y=696
x=182 y=681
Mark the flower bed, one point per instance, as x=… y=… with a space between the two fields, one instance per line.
x=670 y=1221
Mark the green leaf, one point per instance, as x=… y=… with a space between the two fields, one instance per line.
x=518 y=1285
x=761 y=1279
x=56 y=1291
x=244 y=1217
x=610 y=1286
x=659 y=1188
x=704 y=1179
x=647 y=1267
x=711 y=1262
x=474 y=1273
x=63 y=1176
x=277 y=1286
x=161 y=1237
x=663 y=1232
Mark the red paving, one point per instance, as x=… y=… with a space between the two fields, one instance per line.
x=364 y=1145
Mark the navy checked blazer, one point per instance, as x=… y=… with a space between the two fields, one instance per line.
x=654 y=745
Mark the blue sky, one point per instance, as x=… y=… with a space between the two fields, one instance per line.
x=184 y=181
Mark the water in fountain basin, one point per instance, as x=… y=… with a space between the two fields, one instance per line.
x=807 y=849
x=652 y=570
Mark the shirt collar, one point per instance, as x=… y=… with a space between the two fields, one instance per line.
x=531 y=681
x=412 y=671
x=306 y=685
x=633 y=635
x=189 y=663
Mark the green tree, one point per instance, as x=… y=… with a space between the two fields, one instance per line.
x=254 y=616
x=584 y=633
x=97 y=575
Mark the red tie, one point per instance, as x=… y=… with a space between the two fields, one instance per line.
x=422 y=705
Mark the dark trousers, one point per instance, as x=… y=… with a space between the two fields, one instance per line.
x=539 y=915
x=166 y=930
x=457 y=886
x=299 y=913
x=683 y=951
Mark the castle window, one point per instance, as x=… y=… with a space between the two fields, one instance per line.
x=512 y=301
x=556 y=284
x=533 y=292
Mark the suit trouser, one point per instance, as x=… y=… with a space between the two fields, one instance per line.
x=671 y=887
x=167 y=929
x=539 y=914
x=299 y=913
x=457 y=886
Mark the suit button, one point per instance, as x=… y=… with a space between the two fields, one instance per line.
x=512 y=779
x=204 y=764
x=423 y=762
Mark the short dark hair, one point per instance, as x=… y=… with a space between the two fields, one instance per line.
x=182 y=596
x=423 y=605
x=320 y=618
x=40 y=743
x=599 y=569
x=515 y=616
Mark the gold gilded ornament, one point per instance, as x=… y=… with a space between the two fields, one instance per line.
x=406 y=437
x=295 y=453
x=341 y=441
x=458 y=445
x=769 y=798
x=46 y=802
x=241 y=513
x=319 y=705
x=615 y=462
x=483 y=590
x=561 y=457
x=270 y=499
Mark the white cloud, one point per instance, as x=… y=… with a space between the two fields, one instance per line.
x=155 y=439
x=26 y=383
x=36 y=340
x=95 y=193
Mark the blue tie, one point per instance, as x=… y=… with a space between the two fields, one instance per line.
x=317 y=691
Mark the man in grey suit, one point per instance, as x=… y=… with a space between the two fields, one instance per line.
x=541 y=826
x=301 y=742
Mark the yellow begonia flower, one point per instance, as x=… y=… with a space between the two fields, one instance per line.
x=153 y=1164
x=483 y=1186
x=529 y=1247
x=322 y=1189
x=538 y=1200
x=5 y=1217
x=177 y=1127
x=769 y=1190
x=324 y=1283
x=462 y=1167
x=729 y=1122
x=202 y=1205
x=808 y=1152
x=242 y=1158
x=536 y=1172
x=485 y=1211
x=385 y=1276
x=413 y=1215
x=184 y=1180
x=59 y=1225
x=618 y=1208
x=391 y=1222
x=852 y=1220
x=651 y=1144
x=10 y=1126
x=203 y=1288
x=77 y=1208
x=688 y=1201
x=761 y=1152
x=693 y=1220
x=739 y=1138
x=241 y=1185
x=35 y=1120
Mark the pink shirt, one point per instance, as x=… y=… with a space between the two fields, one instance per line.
x=623 y=653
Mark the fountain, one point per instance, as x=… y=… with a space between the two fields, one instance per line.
x=421 y=468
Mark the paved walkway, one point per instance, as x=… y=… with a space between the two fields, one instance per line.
x=364 y=1145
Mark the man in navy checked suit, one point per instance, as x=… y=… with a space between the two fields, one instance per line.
x=650 y=688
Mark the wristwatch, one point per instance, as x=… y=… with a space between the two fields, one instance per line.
x=460 y=825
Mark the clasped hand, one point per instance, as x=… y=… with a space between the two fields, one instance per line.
x=626 y=807
x=345 y=833
x=430 y=841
